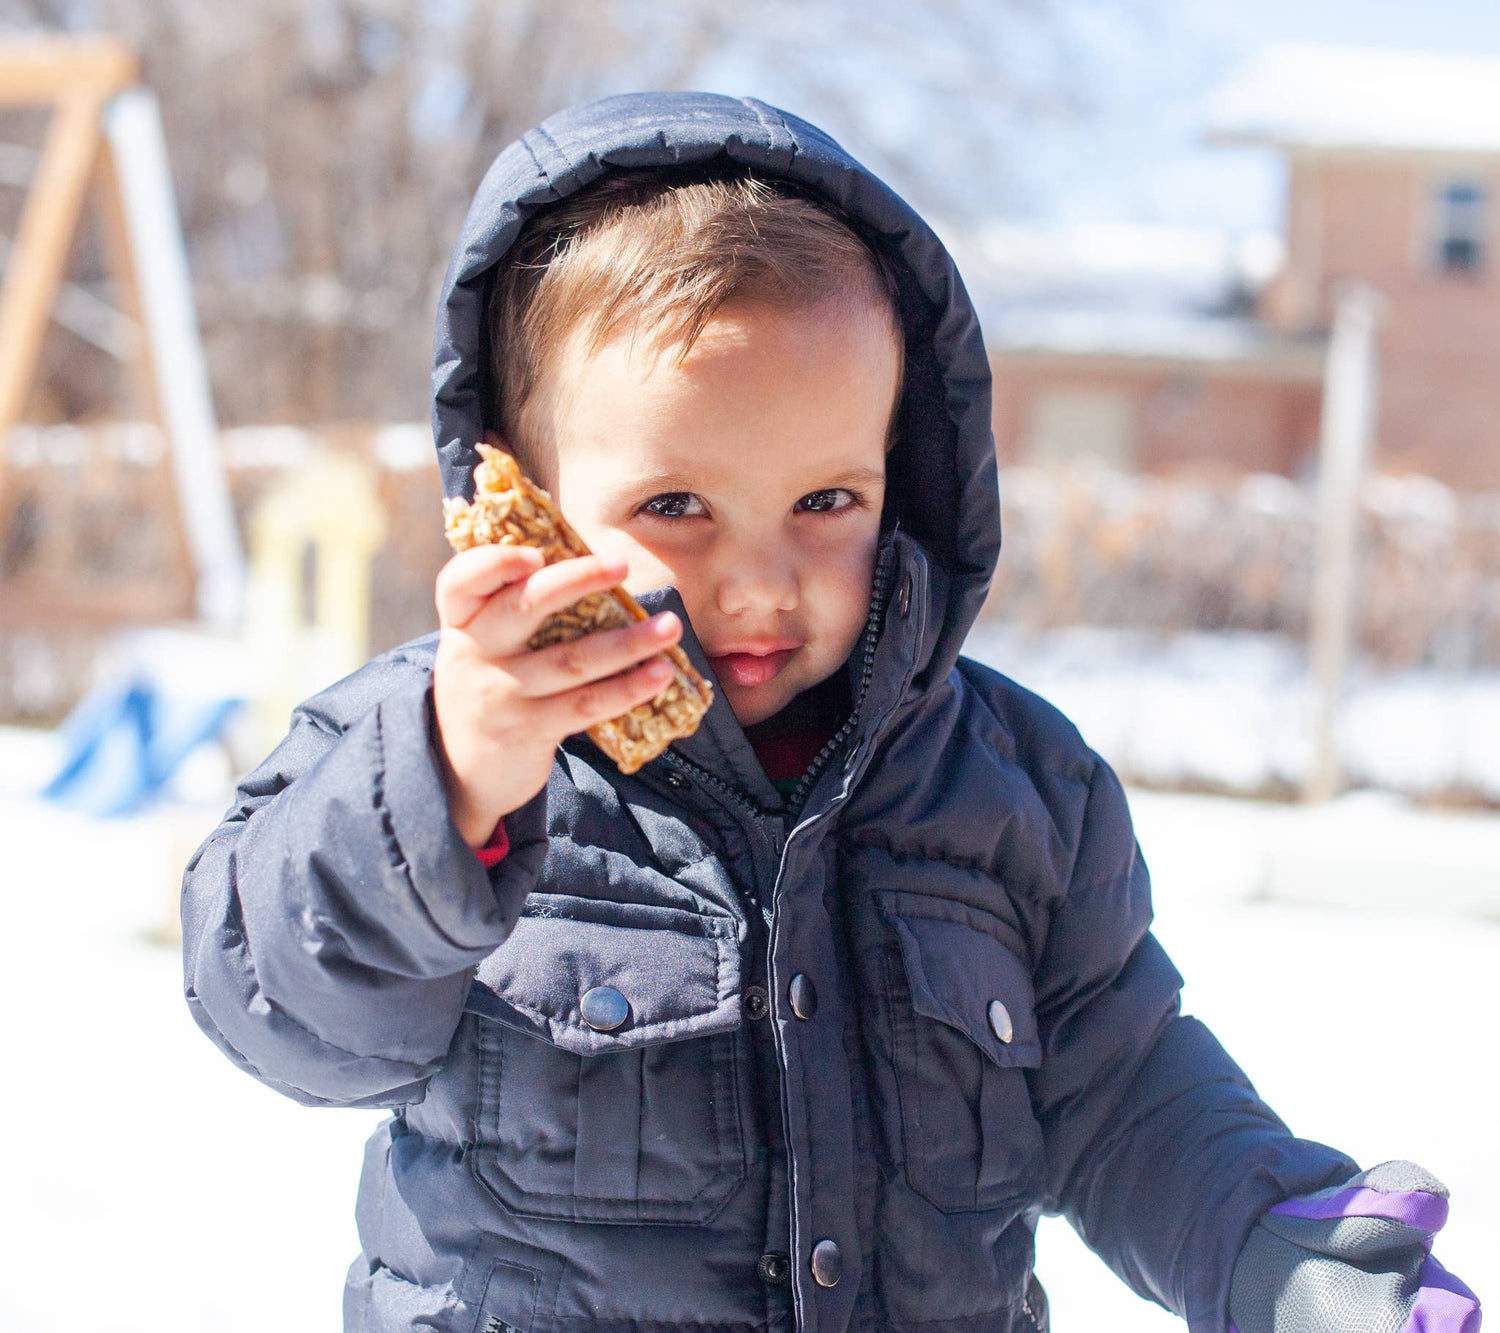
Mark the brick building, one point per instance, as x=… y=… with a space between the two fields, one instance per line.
x=1168 y=355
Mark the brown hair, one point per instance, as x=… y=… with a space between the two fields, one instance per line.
x=659 y=252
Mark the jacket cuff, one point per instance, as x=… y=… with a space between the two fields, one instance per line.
x=471 y=906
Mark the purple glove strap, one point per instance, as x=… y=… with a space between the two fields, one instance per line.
x=1443 y=1304
x=1416 y=1208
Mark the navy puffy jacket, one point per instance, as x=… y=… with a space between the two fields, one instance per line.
x=968 y=1021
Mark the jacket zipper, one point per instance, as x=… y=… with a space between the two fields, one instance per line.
x=758 y=815
x=869 y=638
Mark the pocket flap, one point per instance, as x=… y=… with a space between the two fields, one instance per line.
x=958 y=974
x=678 y=972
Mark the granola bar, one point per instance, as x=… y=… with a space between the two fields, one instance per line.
x=510 y=509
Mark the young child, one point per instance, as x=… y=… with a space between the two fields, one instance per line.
x=805 y=1023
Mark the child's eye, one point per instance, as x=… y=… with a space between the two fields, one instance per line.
x=675 y=504
x=825 y=502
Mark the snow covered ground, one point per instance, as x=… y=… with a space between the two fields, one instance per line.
x=1234 y=711
x=153 y=1187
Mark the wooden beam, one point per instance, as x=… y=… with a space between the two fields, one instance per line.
x=77 y=76
x=40 y=254
x=106 y=132
x=47 y=70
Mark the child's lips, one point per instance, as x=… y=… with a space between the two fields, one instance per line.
x=747 y=669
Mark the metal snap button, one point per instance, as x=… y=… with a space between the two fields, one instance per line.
x=827 y=1263
x=1000 y=1023
x=774 y=1269
x=803 y=995
x=755 y=1002
x=604 y=1008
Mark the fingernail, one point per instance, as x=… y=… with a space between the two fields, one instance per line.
x=665 y=624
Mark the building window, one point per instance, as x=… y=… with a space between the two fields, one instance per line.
x=1461 y=207
x=1076 y=425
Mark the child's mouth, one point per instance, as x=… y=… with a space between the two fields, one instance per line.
x=746 y=669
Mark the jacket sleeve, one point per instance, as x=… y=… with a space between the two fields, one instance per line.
x=1159 y=1151
x=332 y=923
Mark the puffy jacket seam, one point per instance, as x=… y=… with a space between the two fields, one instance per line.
x=383 y=811
x=320 y=723
x=972 y=917
x=1080 y=755
x=878 y=842
x=235 y=920
x=769 y=125
x=543 y=172
x=1074 y=884
x=678 y=867
x=190 y=994
x=397 y=855
x=854 y=842
x=334 y=1046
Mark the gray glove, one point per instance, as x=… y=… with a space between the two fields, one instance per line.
x=1354 y=1258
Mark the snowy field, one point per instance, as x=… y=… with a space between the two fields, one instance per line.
x=1348 y=957
x=1234 y=711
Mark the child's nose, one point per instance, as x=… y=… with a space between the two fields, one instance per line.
x=758 y=580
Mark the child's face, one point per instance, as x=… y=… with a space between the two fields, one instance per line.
x=750 y=477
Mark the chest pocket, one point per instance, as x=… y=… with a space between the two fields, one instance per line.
x=625 y=1106
x=962 y=1026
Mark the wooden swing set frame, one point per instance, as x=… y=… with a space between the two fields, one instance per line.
x=104 y=144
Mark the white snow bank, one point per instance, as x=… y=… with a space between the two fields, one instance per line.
x=1234 y=711
x=206 y=1201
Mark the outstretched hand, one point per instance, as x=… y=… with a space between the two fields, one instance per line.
x=1352 y=1258
x=503 y=707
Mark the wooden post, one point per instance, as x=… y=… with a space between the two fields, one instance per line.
x=107 y=132
x=76 y=78
x=40 y=253
x=1350 y=388
x=78 y=82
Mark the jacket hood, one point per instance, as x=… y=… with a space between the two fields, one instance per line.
x=942 y=476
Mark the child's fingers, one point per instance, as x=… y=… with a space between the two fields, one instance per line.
x=516 y=611
x=468 y=581
x=578 y=709
x=564 y=666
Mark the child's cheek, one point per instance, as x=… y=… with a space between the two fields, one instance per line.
x=648 y=569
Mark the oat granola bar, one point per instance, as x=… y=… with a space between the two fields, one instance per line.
x=509 y=509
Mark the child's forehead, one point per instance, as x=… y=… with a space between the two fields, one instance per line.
x=781 y=397
x=711 y=462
